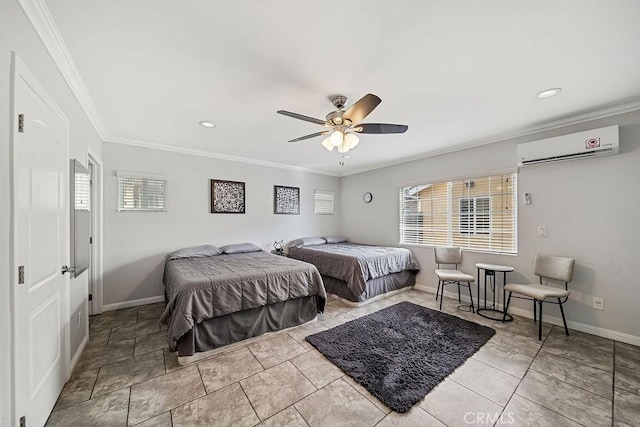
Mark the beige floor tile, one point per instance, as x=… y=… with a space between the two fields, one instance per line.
x=363 y=391
x=626 y=407
x=627 y=355
x=111 y=319
x=151 y=311
x=228 y=368
x=524 y=326
x=317 y=368
x=492 y=383
x=505 y=359
x=451 y=403
x=138 y=329
x=94 y=357
x=581 y=338
x=276 y=349
x=162 y=420
x=628 y=379
x=151 y=342
x=516 y=342
x=523 y=412
x=77 y=389
x=109 y=410
x=301 y=332
x=99 y=337
x=161 y=394
x=128 y=372
x=416 y=417
x=590 y=356
x=618 y=423
x=574 y=403
x=226 y=407
x=337 y=402
x=577 y=374
x=275 y=389
x=289 y=417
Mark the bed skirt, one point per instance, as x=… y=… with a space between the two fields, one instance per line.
x=378 y=286
x=224 y=330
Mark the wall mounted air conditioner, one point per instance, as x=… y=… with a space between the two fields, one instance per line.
x=581 y=145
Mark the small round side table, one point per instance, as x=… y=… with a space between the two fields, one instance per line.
x=491 y=312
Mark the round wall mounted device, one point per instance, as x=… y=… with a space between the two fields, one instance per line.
x=367 y=197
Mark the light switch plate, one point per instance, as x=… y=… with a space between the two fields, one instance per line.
x=598 y=303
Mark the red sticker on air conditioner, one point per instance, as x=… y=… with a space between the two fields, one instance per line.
x=592 y=143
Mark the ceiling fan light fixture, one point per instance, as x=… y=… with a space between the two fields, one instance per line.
x=351 y=140
x=327 y=144
x=344 y=147
x=336 y=138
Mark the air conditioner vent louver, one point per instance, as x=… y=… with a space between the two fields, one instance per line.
x=593 y=143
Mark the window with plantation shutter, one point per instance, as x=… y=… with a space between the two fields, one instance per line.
x=323 y=202
x=476 y=214
x=140 y=192
x=82 y=192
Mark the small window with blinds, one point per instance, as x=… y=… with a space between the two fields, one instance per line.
x=323 y=202
x=140 y=192
x=82 y=192
x=476 y=214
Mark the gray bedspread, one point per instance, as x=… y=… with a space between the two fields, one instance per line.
x=202 y=288
x=356 y=263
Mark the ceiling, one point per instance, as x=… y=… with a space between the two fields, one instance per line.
x=456 y=72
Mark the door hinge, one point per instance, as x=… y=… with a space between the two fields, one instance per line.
x=90 y=297
x=23 y=421
x=91 y=240
x=21 y=275
x=21 y=123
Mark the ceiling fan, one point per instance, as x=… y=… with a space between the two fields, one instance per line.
x=345 y=124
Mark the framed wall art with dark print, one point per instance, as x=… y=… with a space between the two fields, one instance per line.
x=286 y=200
x=227 y=197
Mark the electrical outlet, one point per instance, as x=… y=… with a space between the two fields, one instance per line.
x=542 y=231
x=598 y=303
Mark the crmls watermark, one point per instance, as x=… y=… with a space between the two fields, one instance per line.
x=489 y=418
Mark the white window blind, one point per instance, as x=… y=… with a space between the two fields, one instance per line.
x=82 y=192
x=477 y=214
x=138 y=192
x=323 y=202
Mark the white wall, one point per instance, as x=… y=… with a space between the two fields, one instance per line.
x=589 y=206
x=16 y=33
x=136 y=243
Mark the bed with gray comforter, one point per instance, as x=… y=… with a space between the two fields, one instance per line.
x=359 y=272
x=217 y=300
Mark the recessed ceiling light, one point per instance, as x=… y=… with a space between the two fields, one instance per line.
x=207 y=124
x=549 y=93
x=347 y=156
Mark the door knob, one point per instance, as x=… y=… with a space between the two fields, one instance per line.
x=67 y=269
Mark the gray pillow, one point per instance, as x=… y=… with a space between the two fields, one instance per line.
x=195 y=252
x=307 y=241
x=240 y=248
x=336 y=239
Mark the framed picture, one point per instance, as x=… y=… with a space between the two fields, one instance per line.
x=227 y=196
x=286 y=200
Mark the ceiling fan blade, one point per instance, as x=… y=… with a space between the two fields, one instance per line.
x=302 y=117
x=380 y=128
x=313 y=135
x=361 y=109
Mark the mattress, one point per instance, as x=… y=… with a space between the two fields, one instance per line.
x=198 y=289
x=356 y=264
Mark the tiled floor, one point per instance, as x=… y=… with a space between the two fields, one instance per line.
x=127 y=376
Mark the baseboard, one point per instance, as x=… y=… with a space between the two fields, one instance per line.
x=582 y=327
x=132 y=303
x=76 y=357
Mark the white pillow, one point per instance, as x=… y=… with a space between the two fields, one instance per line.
x=307 y=241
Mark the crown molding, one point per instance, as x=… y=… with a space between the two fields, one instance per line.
x=42 y=21
x=203 y=153
x=556 y=124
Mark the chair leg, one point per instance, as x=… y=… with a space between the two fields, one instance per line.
x=506 y=308
x=441 y=296
x=473 y=310
x=540 y=321
x=438 y=291
x=566 y=330
x=459 y=299
x=535 y=316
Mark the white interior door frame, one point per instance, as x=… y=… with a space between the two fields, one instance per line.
x=20 y=71
x=95 y=289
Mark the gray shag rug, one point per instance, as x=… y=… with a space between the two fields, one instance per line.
x=401 y=352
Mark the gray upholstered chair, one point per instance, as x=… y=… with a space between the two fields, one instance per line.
x=451 y=256
x=547 y=267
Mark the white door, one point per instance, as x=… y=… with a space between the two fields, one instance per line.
x=40 y=248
